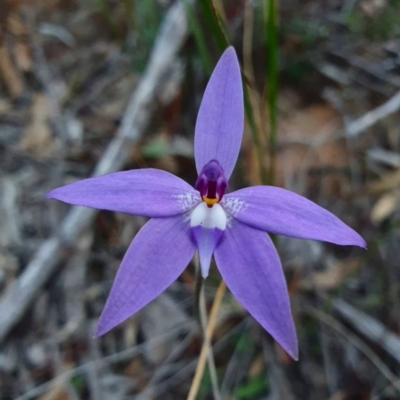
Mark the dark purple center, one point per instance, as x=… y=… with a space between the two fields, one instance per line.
x=211 y=182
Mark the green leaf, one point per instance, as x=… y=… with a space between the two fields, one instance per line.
x=256 y=385
x=156 y=148
x=78 y=382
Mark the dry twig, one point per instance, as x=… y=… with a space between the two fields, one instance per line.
x=369 y=327
x=108 y=360
x=358 y=343
x=359 y=125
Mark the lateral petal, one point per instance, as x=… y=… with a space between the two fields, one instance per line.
x=148 y=192
x=250 y=266
x=219 y=125
x=280 y=211
x=157 y=256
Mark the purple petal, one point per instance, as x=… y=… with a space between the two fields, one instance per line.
x=206 y=240
x=219 y=125
x=208 y=225
x=147 y=192
x=251 y=268
x=157 y=256
x=280 y=211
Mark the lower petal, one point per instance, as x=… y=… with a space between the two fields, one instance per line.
x=250 y=266
x=157 y=256
x=208 y=225
x=206 y=240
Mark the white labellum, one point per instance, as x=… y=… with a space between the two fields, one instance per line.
x=208 y=217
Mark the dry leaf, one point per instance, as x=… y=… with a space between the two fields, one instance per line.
x=6 y=7
x=371 y=7
x=384 y=207
x=309 y=134
x=340 y=395
x=38 y=139
x=389 y=181
x=23 y=57
x=256 y=366
x=57 y=392
x=4 y=106
x=308 y=139
x=10 y=77
x=332 y=277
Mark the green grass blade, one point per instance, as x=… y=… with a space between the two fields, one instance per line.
x=253 y=131
x=214 y=23
x=199 y=37
x=270 y=16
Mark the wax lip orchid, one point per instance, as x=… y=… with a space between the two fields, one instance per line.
x=230 y=226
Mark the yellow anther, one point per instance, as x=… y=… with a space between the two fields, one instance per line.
x=208 y=201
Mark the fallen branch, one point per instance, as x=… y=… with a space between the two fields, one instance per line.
x=359 y=125
x=137 y=115
x=357 y=343
x=115 y=358
x=369 y=327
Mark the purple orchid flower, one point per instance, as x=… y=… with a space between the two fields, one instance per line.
x=230 y=226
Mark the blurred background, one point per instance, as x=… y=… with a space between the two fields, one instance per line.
x=96 y=86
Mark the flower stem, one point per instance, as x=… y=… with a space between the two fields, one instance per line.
x=201 y=307
x=198 y=288
x=210 y=356
x=205 y=349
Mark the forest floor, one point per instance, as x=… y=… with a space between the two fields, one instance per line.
x=95 y=87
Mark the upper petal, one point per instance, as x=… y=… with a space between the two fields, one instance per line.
x=251 y=268
x=148 y=192
x=157 y=256
x=280 y=211
x=219 y=125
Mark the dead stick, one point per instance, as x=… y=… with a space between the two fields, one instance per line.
x=358 y=343
x=369 y=327
x=361 y=124
x=210 y=356
x=136 y=118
